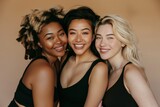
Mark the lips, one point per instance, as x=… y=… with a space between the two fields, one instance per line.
x=59 y=48
x=78 y=46
x=103 y=50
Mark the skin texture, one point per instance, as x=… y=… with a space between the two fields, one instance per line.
x=80 y=38
x=41 y=76
x=135 y=81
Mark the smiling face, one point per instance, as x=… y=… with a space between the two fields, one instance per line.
x=106 y=43
x=53 y=40
x=80 y=36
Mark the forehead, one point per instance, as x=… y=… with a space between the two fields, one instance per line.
x=52 y=25
x=105 y=28
x=80 y=23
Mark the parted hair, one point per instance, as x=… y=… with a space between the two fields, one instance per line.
x=124 y=33
x=31 y=26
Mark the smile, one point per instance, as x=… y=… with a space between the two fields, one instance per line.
x=78 y=46
x=60 y=48
x=104 y=50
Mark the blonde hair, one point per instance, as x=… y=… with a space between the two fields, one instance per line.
x=123 y=32
x=31 y=26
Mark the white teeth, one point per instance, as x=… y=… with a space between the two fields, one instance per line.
x=59 y=48
x=78 y=46
x=104 y=50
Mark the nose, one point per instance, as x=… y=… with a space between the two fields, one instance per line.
x=78 y=37
x=58 y=40
x=102 y=42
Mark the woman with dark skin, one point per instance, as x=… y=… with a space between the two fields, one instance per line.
x=128 y=85
x=44 y=40
x=84 y=76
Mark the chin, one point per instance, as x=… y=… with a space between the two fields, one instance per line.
x=104 y=57
x=61 y=54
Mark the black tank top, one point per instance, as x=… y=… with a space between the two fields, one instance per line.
x=75 y=95
x=23 y=95
x=118 y=96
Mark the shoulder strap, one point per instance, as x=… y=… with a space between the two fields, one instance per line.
x=124 y=67
x=39 y=57
x=92 y=65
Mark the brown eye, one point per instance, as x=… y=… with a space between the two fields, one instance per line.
x=62 y=34
x=110 y=37
x=72 y=33
x=98 y=37
x=49 y=38
x=85 y=33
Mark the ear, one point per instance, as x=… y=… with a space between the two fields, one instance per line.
x=39 y=44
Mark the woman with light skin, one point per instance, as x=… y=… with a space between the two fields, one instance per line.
x=128 y=85
x=84 y=76
x=44 y=40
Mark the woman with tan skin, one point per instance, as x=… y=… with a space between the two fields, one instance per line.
x=128 y=86
x=84 y=76
x=44 y=40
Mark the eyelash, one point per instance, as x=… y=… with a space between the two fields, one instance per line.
x=71 y=33
x=85 y=33
x=109 y=37
x=61 y=34
x=49 y=38
x=98 y=37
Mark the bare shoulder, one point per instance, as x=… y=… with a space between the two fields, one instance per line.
x=40 y=68
x=100 y=68
x=133 y=72
x=134 y=77
x=137 y=85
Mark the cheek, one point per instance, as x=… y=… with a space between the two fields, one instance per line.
x=116 y=44
x=48 y=44
x=88 y=39
x=97 y=44
x=64 y=39
x=71 y=39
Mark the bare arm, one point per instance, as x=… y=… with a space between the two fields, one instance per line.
x=138 y=87
x=43 y=87
x=98 y=82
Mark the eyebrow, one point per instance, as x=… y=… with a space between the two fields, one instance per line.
x=52 y=33
x=60 y=30
x=110 y=34
x=105 y=35
x=47 y=34
x=81 y=29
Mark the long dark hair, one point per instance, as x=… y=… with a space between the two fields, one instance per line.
x=82 y=12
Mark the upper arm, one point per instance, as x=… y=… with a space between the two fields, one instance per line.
x=138 y=87
x=98 y=82
x=43 y=87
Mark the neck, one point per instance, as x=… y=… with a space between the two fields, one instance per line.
x=86 y=57
x=51 y=59
x=117 y=62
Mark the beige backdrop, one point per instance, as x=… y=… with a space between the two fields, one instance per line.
x=144 y=15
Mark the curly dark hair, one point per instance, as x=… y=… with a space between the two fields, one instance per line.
x=31 y=26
